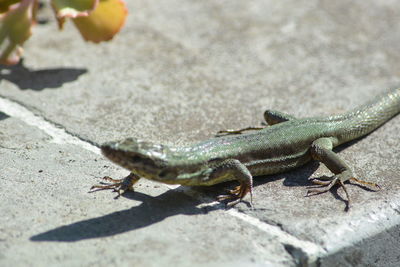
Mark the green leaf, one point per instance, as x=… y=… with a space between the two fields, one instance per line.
x=15 y=29
x=73 y=8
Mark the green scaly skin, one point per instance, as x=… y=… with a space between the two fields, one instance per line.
x=285 y=144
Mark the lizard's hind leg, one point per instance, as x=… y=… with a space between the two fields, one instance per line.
x=321 y=150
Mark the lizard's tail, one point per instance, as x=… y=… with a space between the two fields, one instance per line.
x=371 y=115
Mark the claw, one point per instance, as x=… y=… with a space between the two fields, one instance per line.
x=364 y=182
x=103 y=186
x=345 y=191
x=319 y=181
x=109 y=179
x=327 y=185
x=118 y=185
x=237 y=194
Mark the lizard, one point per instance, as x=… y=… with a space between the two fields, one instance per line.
x=284 y=144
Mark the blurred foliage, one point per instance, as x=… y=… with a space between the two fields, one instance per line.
x=96 y=20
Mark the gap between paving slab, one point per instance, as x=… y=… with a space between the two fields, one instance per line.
x=58 y=135
x=303 y=252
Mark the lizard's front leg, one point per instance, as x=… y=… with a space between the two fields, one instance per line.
x=119 y=185
x=321 y=150
x=233 y=169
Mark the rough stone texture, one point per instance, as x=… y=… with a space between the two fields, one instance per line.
x=178 y=72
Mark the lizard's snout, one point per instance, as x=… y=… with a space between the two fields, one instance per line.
x=141 y=157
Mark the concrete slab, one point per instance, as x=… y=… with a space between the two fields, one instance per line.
x=180 y=71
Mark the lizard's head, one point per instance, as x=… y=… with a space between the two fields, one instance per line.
x=143 y=158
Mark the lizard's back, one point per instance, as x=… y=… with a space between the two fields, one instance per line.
x=285 y=145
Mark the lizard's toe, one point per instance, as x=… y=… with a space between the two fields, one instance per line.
x=325 y=186
x=361 y=182
x=114 y=184
x=118 y=185
x=236 y=195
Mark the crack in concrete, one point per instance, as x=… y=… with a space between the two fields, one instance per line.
x=58 y=134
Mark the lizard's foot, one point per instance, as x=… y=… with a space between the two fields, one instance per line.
x=118 y=185
x=339 y=179
x=236 y=195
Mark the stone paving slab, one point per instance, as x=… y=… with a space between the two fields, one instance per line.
x=182 y=70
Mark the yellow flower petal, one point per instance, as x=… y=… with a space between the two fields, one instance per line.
x=104 y=22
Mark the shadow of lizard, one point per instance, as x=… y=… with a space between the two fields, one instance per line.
x=155 y=209
x=150 y=211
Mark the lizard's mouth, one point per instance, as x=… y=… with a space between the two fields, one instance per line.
x=124 y=158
